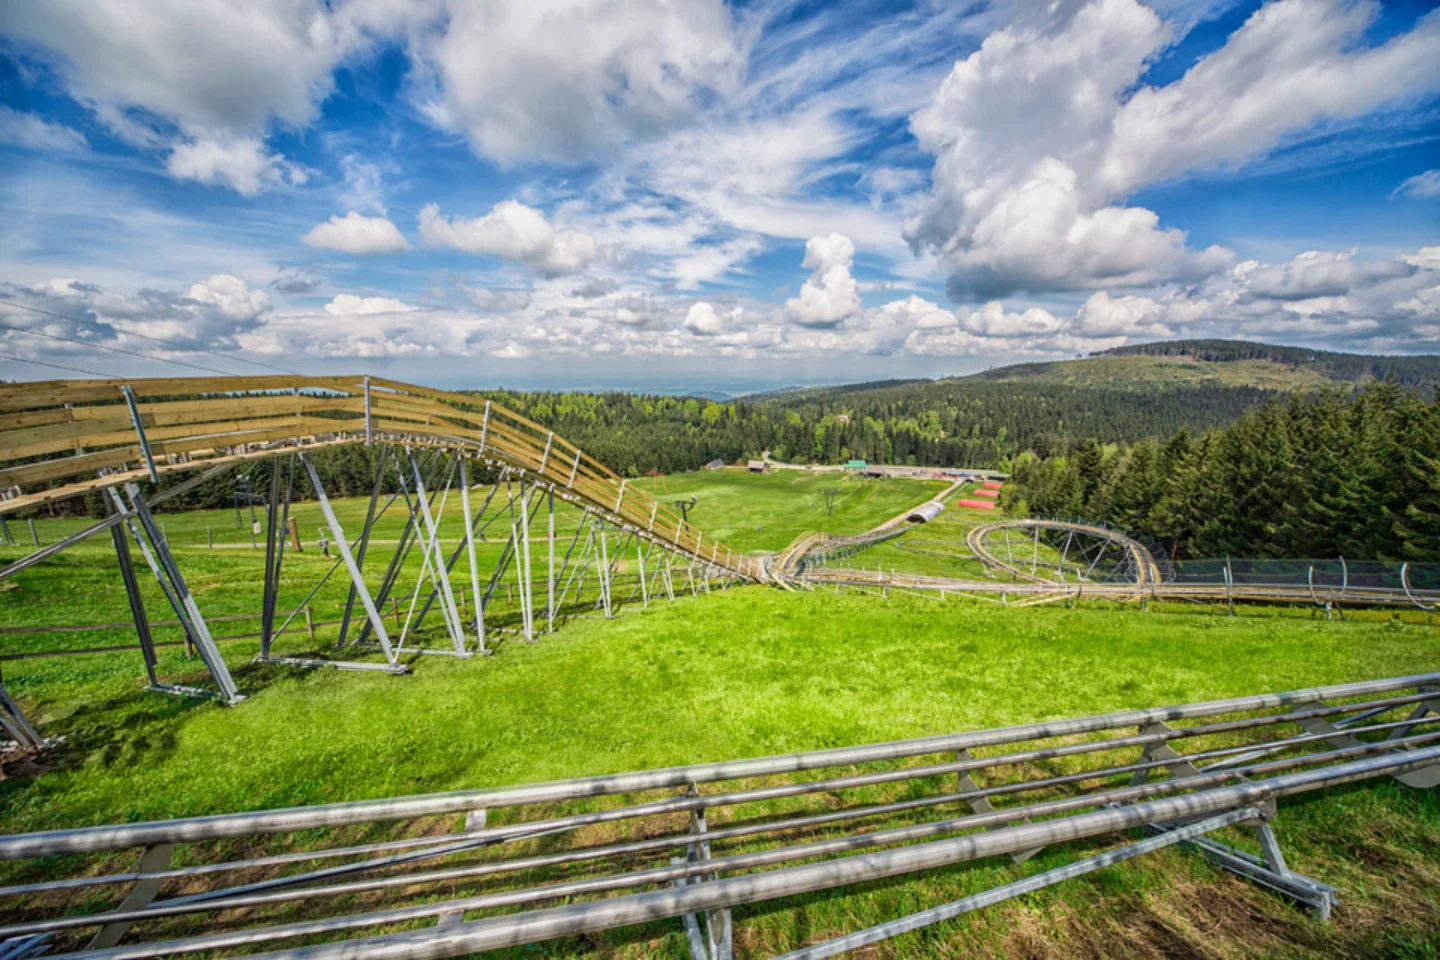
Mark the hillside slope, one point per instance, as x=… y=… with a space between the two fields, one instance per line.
x=1230 y=363
x=1145 y=372
x=1123 y=395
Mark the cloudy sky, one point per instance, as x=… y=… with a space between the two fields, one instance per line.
x=687 y=194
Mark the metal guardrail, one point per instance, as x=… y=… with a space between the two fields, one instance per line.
x=611 y=847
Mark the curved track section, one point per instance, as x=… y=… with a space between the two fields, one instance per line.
x=64 y=438
x=813 y=549
x=1091 y=545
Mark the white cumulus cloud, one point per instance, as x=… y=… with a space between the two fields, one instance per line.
x=562 y=79
x=1041 y=134
x=1103 y=315
x=357 y=234
x=703 y=320
x=243 y=164
x=513 y=231
x=831 y=294
x=349 y=305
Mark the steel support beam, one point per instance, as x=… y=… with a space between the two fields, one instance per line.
x=343 y=545
x=168 y=572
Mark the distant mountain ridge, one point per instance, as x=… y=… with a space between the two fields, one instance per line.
x=1231 y=363
x=1424 y=368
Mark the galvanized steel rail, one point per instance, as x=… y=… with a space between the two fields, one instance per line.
x=629 y=848
x=1164 y=590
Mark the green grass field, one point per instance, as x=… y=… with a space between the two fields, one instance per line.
x=767 y=511
x=746 y=672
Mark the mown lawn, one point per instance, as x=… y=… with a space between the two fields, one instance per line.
x=767 y=511
x=754 y=671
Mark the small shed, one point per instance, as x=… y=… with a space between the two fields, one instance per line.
x=758 y=466
x=854 y=464
x=715 y=464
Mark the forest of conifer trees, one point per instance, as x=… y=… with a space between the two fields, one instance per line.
x=1318 y=475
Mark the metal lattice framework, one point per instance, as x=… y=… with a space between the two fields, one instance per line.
x=1078 y=552
x=61 y=439
x=443 y=875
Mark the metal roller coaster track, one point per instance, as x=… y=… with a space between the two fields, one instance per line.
x=62 y=439
x=428 y=876
x=1142 y=562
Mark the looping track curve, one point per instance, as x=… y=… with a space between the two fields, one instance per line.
x=1142 y=563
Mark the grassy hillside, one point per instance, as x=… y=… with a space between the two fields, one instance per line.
x=1145 y=372
x=1420 y=370
x=753 y=671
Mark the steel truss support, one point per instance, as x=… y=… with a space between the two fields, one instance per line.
x=276 y=520
x=156 y=551
x=402 y=549
x=277 y=524
x=370 y=517
x=470 y=549
x=1269 y=871
x=1019 y=888
x=435 y=558
x=473 y=528
x=714 y=939
x=356 y=580
x=14 y=725
x=132 y=593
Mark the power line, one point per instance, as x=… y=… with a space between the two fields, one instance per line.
x=131 y=353
x=169 y=343
x=61 y=366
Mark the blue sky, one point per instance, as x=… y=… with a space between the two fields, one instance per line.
x=643 y=194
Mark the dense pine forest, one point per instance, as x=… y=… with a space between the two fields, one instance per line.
x=971 y=423
x=1318 y=475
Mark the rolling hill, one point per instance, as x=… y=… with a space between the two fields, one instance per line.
x=1232 y=363
x=1122 y=395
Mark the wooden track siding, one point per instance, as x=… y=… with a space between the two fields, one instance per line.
x=67 y=431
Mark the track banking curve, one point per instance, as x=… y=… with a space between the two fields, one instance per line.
x=64 y=438
x=1147 y=571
